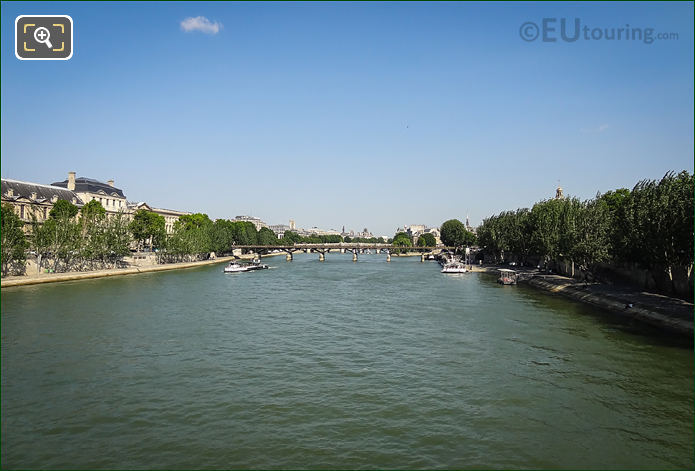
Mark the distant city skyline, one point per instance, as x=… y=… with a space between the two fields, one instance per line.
x=347 y=114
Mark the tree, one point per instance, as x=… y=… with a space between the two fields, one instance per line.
x=147 y=225
x=93 y=231
x=63 y=209
x=402 y=239
x=117 y=237
x=454 y=234
x=14 y=242
x=426 y=240
x=192 y=221
x=267 y=237
x=291 y=238
x=221 y=236
x=59 y=236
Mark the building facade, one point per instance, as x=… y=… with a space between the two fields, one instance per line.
x=170 y=216
x=256 y=221
x=35 y=200
x=111 y=198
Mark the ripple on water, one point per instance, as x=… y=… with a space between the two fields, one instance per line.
x=332 y=365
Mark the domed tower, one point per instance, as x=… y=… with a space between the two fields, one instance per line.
x=558 y=193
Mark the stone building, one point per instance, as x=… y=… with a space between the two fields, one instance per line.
x=256 y=221
x=279 y=230
x=170 y=215
x=111 y=198
x=35 y=199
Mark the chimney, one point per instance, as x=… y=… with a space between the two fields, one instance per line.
x=71 y=181
x=110 y=182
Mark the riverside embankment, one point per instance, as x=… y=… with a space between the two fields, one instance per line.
x=74 y=276
x=665 y=313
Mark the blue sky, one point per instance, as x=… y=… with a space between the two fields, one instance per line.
x=357 y=114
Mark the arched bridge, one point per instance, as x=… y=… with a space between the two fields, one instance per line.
x=354 y=248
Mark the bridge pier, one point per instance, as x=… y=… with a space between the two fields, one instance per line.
x=354 y=256
x=388 y=257
x=322 y=257
x=422 y=257
x=289 y=257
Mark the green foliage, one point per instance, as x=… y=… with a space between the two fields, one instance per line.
x=267 y=237
x=14 y=242
x=59 y=237
x=291 y=237
x=658 y=222
x=221 y=236
x=195 y=235
x=63 y=209
x=148 y=226
x=652 y=225
x=194 y=221
x=454 y=234
x=364 y=240
x=427 y=240
x=402 y=239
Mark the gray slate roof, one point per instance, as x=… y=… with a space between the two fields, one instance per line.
x=89 y=185
x=44 y=193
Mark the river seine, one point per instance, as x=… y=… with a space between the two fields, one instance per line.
x=333 y=365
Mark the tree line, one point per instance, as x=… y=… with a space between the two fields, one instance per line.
x=87 y=238
x=65 y=242
x=650 y=225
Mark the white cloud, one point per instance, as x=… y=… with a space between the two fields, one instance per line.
x=202 y=24
x=599 y=129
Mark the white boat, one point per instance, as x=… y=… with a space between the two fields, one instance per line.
x=235 y=267
x=454 y=267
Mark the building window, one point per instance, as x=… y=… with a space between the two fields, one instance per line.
x=21 y=211
x=44 y=213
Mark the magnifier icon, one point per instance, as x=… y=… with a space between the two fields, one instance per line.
x=42 y=35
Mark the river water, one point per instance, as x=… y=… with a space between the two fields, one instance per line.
x=333 y=365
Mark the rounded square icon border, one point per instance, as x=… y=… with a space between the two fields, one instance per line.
x=72 y=39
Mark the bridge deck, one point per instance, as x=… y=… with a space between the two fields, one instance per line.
x=341 y=245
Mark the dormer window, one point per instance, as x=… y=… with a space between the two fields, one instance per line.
x=54 y=198
x=10 y=192
x=33 y=195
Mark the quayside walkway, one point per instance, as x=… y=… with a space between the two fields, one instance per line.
x=666 y=313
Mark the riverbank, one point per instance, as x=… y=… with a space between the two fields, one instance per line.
x=668 y=314
x=86 y=275
x=665 y=313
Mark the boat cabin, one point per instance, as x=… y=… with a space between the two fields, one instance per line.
x=507 y=276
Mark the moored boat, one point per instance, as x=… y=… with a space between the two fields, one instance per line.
x=454 y=267
x=507 y=276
